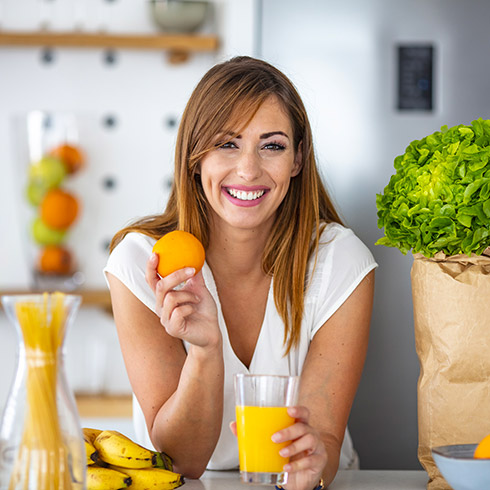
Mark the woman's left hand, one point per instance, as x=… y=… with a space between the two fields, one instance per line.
x=307 y=453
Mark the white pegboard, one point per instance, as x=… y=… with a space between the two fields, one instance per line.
x=139 y=90
x=142 y=92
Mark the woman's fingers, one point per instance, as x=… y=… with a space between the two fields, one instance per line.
x=300 y=413
x=173 y=302
x=314 y=462
x=299 y=428
x=233 y=428
x=305 y=445
x=163 y=286
x=151 y=274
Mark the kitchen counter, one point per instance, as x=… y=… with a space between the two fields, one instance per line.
x=345 y=480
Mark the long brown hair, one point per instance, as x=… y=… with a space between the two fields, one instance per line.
x=228 y=95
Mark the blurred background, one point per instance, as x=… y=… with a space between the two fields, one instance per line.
x=374 y=75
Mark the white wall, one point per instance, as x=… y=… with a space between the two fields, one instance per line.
x=143 y=93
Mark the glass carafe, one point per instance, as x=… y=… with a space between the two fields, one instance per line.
x=41 y=444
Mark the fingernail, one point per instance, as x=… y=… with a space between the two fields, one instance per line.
x=284 y=452
x=275 y=438
x=189 y=271
x=287 y=467
x=153 y=256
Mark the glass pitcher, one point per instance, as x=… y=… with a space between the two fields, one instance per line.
x=41 y=443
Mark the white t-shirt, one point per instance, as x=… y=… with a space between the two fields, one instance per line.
x=343 y=261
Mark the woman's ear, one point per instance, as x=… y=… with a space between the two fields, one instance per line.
x=298 y=161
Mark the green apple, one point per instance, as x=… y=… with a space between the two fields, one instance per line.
x=35 y=191
x=48 y=172
x=44 y=235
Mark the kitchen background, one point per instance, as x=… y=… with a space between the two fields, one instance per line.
x=374 y=75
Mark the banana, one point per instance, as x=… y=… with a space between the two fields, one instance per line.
x=117 y=449
x=89 y=451
x=91 y=434
x=151 y=478
x=99 y=478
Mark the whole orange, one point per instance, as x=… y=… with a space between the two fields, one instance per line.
x=59 y=209
x=482 y=451
x=178 y=249
x=71 y=156
x=55 y=260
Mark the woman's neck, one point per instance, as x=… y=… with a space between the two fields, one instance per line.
x=236 y=253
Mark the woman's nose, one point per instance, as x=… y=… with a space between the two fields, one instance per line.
x=249 y=166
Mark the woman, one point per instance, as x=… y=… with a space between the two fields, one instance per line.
x=285 y=289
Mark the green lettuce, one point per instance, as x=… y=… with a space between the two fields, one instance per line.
x=439 y=197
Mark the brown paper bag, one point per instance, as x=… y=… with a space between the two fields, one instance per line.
x=451 y=302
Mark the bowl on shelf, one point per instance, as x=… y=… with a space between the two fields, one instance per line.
x=179 y=16
x=460 y=469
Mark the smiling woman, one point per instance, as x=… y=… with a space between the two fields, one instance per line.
x=285 y=289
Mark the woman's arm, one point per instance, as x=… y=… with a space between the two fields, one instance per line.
x=180 y=393
x=329 y=381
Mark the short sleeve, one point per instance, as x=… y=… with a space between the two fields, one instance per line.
x=127 y=262
x=342 y=263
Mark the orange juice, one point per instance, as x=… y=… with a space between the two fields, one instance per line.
x=255 y=426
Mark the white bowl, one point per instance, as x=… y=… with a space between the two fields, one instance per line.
x=460 y=469
x=179 y=15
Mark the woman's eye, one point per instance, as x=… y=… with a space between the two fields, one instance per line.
x=227 y=145
x=274 y=147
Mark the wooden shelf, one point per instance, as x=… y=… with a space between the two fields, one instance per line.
x=178 y=45
x=104 y=405
x=90 y=297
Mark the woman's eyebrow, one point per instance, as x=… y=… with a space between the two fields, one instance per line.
x=273 y=133
x=263 y=136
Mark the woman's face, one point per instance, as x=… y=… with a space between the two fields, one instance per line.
x=246 y=180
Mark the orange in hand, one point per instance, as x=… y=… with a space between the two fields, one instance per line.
x=59 y=209
x=176 y=250
x=482 y=451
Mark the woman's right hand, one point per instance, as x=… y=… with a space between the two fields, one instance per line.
x=188 y=313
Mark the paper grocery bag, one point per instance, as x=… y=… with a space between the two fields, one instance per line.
x=451 y=302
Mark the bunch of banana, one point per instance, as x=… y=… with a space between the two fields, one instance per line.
x=114 y=461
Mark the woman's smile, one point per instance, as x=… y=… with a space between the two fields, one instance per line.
x=245 y=196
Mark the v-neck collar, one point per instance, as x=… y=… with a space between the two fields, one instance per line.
x=211 y=285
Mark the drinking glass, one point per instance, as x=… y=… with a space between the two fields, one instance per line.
x=261 y=410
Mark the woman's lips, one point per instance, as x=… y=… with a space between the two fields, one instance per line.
x=245 y=196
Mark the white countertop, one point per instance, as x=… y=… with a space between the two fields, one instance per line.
x=345 y=480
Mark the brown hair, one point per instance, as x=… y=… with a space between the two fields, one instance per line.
x=230 y=93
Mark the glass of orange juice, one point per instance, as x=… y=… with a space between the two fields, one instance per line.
x=261 y=410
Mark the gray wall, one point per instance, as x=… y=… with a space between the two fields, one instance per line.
x=342 y=58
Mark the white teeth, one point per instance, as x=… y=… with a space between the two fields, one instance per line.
x=246 y=196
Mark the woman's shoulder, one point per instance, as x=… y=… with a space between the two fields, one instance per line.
x=134 y=243
x=341 y=263
x=340 y=248
x=127 y=262
x=335 y=236
x=132 y=251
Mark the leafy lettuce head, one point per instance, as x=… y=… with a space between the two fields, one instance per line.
x=439 y=198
